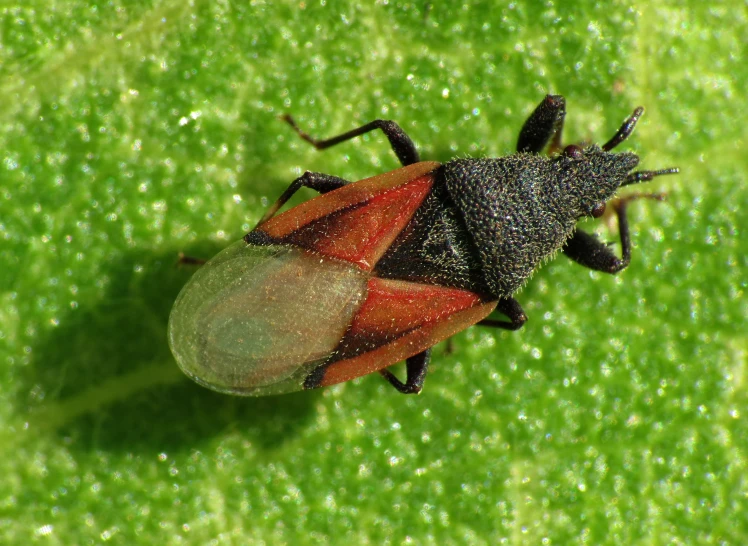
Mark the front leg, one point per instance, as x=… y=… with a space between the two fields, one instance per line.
x=589 y=251
x=417 y=367
x=544 y=125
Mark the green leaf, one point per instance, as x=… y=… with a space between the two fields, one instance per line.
x=132 y=131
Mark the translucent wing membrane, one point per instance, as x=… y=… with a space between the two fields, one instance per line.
x=255 y=320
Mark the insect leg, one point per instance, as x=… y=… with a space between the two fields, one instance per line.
x=512 y=309
x=417 y=366
x=544 y=124
x=589 y=251
x=190 y=260
x=401 y=144
x=320 y=182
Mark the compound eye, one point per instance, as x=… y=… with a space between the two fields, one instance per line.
x=573 y=151
x=598 y=210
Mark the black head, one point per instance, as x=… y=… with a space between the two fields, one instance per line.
x=599 y=173
x=589 y=177
x=520 y=210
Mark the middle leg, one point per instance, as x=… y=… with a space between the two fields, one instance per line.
x=322 y=183
x=401 y=144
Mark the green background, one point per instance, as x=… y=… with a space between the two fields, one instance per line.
x=131 y=131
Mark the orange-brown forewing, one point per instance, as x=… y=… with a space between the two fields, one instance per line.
x=400 y=319
x=358 y=222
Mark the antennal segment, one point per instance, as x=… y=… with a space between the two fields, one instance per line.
x=644 y=176
x=624 y=131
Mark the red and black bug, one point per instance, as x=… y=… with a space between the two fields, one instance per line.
x=378 y=271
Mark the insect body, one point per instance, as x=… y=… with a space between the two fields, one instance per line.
x=378 y=271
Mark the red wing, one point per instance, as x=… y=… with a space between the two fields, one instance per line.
x=358 y=222
x=400 y=319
